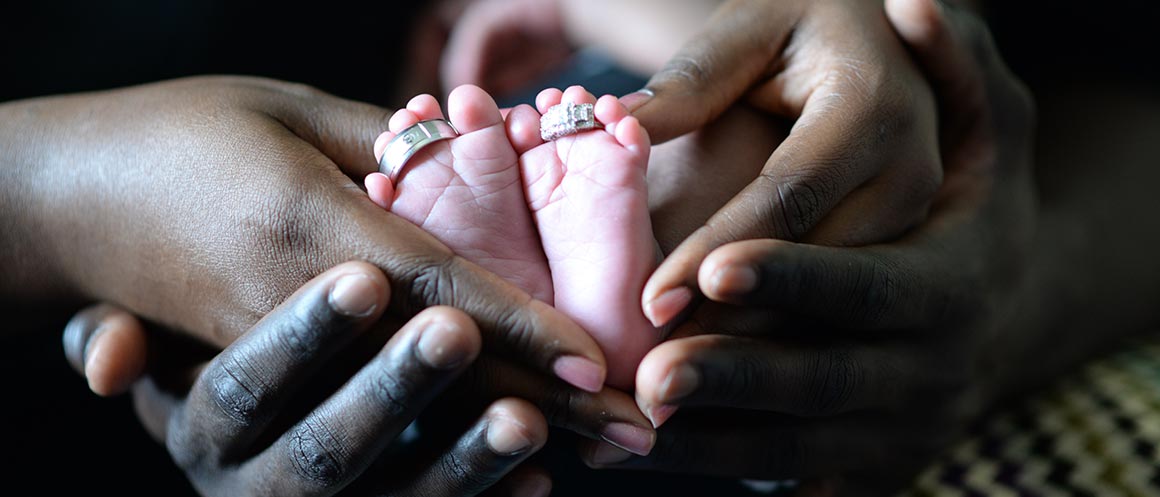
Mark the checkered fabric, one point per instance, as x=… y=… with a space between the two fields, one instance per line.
x=1093 y=434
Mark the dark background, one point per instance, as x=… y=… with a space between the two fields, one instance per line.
x=350 y=48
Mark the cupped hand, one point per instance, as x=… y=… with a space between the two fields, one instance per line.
x=861 y=162
x=888 y=350
x=259 y=421
x=201 y=203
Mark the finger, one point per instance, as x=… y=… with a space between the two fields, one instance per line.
x=746 y=373
x=739 y=444
x=244 y=387
x=508 y=433
x=609 y=415
x=425 y=273
x=713 y=71
x=155 y=407
x=947 y=63
x=833 y=149
x=959 y=56
x=865 y=289
x=107 y=345
x=336 y=442
x=343 y=130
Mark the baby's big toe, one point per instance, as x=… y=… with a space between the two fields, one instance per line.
x=472 y=109
x=631 y=135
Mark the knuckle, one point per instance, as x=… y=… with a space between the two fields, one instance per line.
x=235 y=391
x=832 y=379
x=747 y=380
x=279 y=219
x=685 y=71
x=429 y=282
x=520 y=329
x=798 y=202
x=876 y=293
x=315 y=454
x=391 y=393
x=559 y=406
x=301 y=331
x=466 y=470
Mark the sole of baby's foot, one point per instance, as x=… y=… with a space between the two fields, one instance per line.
x=589 y=198
x=467 y=191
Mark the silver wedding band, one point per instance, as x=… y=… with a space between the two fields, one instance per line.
x=408 y=143
x=567 y=119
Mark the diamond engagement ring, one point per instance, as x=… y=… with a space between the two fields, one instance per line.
x=408 y=143
x=567 y=119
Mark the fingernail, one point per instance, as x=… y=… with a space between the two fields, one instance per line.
x=606 y=454
x=659 y=414
x=580 y=372
x=438 y=347
x=87 y=350
x=681 y=381
x=507 y=437
x=354 y=295
x=636 y=99
x=533 y=486
x=667 y=306
x=95 y=363
x=736 y=279
x=629 y=437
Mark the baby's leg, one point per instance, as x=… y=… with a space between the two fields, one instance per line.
x=589 y=197
x=467 y=191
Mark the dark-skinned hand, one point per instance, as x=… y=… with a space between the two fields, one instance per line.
x=201 y=203
x=304 y=376
x=860 y=363
x=860 y=164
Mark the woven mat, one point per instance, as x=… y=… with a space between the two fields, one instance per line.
x=1095 y=433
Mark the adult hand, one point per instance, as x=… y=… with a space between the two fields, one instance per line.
x=113 y=351
x=890 y=349
x=861 y=163
x=201 y=203
x=258 y=420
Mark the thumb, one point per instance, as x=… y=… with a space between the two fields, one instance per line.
x=343 y=130
x=107 y=345
x=713 y=70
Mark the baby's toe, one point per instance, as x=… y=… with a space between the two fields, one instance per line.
x=523 y=128
x=425 y=107
x=380 y=190
x=609 y=111
x=400 y=120
x=472 y=109
x=547 y=99
x=381 y=144
x=632 y=135
x=578 y=95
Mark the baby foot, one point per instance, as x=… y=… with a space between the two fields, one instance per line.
x=589 y=199
x=467 y=191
